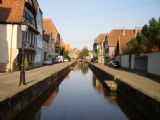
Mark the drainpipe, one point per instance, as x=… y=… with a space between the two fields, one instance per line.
x=10 y=66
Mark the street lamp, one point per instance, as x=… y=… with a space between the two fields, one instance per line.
x=24 y=29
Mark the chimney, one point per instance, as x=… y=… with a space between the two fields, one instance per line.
x=124 y=32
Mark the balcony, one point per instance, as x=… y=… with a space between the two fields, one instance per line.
x=31 y=5
x=30 y=2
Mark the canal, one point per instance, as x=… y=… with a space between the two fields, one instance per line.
x=80 y=96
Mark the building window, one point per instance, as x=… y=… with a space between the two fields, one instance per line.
x=30 y=38
x=29 y=16
x=29 y=58
x=31 y=2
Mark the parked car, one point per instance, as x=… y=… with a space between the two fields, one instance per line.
x=114 y=63
x=55 y=61
x=47 y=62
x=66 y=60
x=61 y=59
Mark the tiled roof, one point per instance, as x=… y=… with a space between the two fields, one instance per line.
x=67 y=47
x=11 y=11
x=129 y=34
x=123 y=35
x=113 y=37
x=100 y=38
x=62 y=45
x=49 y=27
x=61 y=41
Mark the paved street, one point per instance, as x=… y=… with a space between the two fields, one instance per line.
x=143 y=84
x=9 y=83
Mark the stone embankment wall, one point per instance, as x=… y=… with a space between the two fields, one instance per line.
x=143 y=103
x=12 y=106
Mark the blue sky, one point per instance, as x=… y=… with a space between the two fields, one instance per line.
x=80 y=21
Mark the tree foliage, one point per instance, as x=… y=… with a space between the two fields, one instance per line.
x=135 y=45
x=148 y=40
x=64 y=53
x=84 y=53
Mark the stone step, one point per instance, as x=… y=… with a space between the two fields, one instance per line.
x=111 y=85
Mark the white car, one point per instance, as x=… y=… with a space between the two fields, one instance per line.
x=66 y=60
x=61 y=59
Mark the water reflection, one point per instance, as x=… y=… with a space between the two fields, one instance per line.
x=115 y=98
x=51 y=98
x=83 y=67
x=81 y=96
x=76 y=67
x=67 y=77
x=33 y=111
x=110 y=96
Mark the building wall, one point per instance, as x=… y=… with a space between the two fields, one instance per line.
x=154 y=63
x=100 y=48
x=44 y=50
x=148 y=64
x=8 y=46
x=49 y=49
x=133 y=62
x=111 y=51
x=141 y=63
x=101 y=59
x=125 y=61
x=39 y=56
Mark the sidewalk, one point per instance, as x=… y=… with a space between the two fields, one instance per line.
x=141 y=83
x=9 y=83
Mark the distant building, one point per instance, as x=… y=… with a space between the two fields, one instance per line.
x=74 y=53
x=67 y=47
x=12 y=15
x=98 y=47
x=115 y=43
x=62 y=44
x=51 y=98
x=49 y=27
x=48 y=40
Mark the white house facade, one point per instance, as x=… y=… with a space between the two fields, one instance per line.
x=10 y=36
x=13 y=15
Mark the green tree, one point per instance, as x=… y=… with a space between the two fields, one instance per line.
x=151 y=33
x=135 y=45
x=66 y=53
x=148 y=40
x=84 y=53
x=62 y=51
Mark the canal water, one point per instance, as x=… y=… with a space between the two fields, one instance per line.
x=80 y=96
